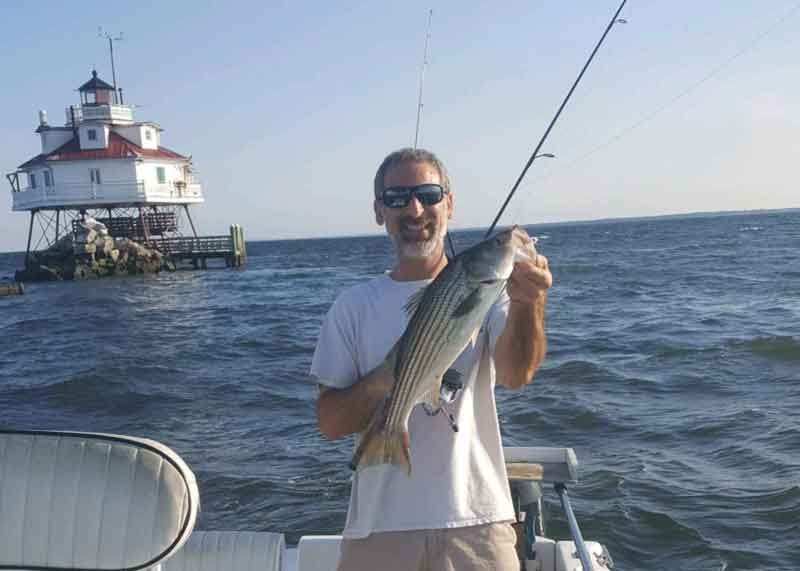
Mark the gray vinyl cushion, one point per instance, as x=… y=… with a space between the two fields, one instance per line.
x=91 y=501
x=229 y=551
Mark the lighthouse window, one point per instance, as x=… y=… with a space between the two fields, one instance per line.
x=47 y=180
x=162 y=176
x=32 y=178
x=94 y=175
x=147 y=134
x=92 y=134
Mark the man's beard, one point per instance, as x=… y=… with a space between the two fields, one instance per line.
x=418 y=249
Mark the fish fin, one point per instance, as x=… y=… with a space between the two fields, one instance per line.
x=373 y=429
x=413 y=302
x=378 y=447
x=469 y=303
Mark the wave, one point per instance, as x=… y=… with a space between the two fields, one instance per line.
x=114 y=390
x=578 y=371
x=780 y=348
x=575 y=268
x=672 y=524
x=729 y=424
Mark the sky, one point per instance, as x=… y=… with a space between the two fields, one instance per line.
x=287 y=108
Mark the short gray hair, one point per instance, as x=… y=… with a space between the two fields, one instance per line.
x=409 y=155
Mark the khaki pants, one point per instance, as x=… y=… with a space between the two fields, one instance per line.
x=480 y=547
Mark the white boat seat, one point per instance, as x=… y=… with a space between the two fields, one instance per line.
x=229 y=551
x=318 y=552
x=73 y=500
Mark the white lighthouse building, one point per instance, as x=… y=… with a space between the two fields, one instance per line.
x=102 y=157
x=105 y=164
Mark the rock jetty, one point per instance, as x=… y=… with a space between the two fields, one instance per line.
x=90 y=253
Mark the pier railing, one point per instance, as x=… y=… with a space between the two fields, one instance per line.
x=191 y=246
x=199 y=249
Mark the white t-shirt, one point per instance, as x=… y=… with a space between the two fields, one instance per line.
x=457 y=478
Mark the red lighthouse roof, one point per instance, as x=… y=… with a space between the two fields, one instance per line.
x=118 y=148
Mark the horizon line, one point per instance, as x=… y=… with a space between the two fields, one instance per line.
x=696 y=214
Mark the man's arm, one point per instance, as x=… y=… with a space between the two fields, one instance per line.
x=521 y=346
x=344 y=411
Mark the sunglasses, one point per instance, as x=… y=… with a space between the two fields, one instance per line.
x=400 y=196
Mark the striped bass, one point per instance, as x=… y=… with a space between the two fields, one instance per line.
x=445 y=316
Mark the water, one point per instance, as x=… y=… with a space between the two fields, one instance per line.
x=673 y=371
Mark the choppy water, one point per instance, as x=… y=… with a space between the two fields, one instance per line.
x=673 y=371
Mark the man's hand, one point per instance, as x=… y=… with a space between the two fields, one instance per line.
x=344 y=411
x=522 y=344
x=529 y=280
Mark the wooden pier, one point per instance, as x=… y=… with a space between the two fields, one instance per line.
x=11 y=288
x=200 y=249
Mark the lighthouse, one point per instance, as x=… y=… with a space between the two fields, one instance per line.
x=104 y=169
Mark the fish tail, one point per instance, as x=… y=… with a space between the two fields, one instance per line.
x=380 y=447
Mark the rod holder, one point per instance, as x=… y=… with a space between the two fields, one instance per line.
x=577 y=537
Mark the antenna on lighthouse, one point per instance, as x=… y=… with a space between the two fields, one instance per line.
x=422 y=78
x=111 y=39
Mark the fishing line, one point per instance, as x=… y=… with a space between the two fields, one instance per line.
x=614 y=20
x=694 y=86
x=421 y=104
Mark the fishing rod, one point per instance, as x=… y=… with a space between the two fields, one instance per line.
x=614 y=20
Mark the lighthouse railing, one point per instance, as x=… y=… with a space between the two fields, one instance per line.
x=171 y=190
x=99 y=111
x=67 y=194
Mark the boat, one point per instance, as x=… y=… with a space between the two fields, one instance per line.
x=80 y=500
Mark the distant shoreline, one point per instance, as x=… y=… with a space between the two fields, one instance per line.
x=377 y=233
x=710 y=214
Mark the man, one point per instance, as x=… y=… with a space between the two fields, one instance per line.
x=453 y=511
